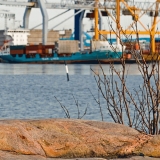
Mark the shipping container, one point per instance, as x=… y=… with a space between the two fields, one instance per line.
x=67 y=46
x=145 y=52
x=136 y=46
x=32 y=49
x=127 y=56
x=17 y=47
x=49 y=46
x=19 y=51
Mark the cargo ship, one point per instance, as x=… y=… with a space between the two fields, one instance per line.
x=15 y=49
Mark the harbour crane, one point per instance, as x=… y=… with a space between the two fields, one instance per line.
x=126 y=7
x=136 y=10
x=6 y=14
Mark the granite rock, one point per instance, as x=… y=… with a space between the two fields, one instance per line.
x=72 y=138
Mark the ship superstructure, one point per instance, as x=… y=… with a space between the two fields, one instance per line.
x=19 y=35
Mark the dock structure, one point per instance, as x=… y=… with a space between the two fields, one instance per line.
x=97 y=9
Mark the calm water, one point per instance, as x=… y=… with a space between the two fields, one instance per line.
x=29 y=90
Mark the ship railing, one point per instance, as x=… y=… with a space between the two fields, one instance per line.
x=4 y=53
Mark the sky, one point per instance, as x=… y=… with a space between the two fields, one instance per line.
x=36 y=18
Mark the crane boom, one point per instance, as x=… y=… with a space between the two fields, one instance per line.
x=17 y=3
x=72 y=4
x=142 y=6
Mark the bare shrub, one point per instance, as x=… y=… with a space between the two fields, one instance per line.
x=137 y=108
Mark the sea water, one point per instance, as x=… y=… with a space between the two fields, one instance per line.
x=36 y=91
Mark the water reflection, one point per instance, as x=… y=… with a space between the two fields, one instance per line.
x=59 y=69
x=131 y=69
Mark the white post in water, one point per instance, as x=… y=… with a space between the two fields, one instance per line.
x=67 y=71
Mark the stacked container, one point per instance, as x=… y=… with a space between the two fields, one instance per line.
x=42 y=50
x=20 y=49
x=32 y=50
x=35 y=37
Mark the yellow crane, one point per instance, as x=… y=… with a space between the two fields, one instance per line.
x=136 y=10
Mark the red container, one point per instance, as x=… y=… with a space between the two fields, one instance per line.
x=34 y=51
x=40 y=49
x=128 y=56
x=49 y=46
x=136 y=46
x=34 y=47
x=17 y=51
x=145 y=52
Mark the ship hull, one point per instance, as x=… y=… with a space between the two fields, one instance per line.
x=77 y=57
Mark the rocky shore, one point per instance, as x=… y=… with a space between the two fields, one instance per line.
x=74 y=139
